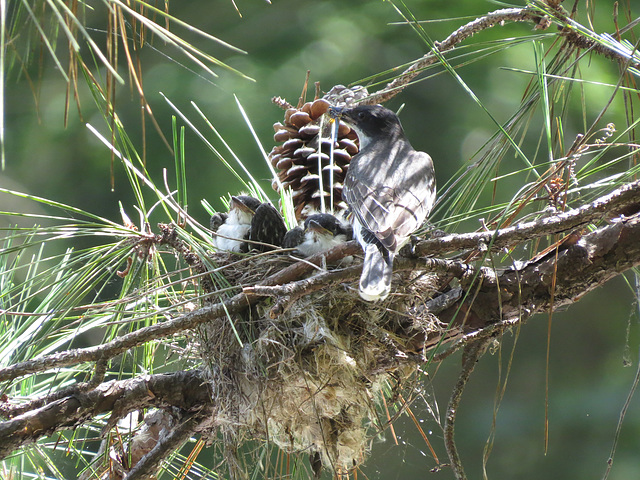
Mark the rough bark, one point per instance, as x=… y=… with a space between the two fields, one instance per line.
x=187 y=391
x=553 y=281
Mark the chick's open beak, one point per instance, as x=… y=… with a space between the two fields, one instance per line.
x=237 y=203
x=318 y=229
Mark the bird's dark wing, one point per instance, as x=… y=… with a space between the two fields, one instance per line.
x=391 y=197
x=267 y=227
x=347 y=231
x=216 y=220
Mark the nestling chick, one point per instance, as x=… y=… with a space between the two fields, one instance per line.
x=234 y=226
x=249 y=224
x=321 y=232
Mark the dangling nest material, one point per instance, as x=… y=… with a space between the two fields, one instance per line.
x=311 y=380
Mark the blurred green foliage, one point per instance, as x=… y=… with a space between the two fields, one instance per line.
x=342 y=42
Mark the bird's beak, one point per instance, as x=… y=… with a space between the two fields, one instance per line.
x=335 y=112
x=237 y=203
x=342 y=115
x=318 y=229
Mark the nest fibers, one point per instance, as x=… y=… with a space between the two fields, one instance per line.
x=312 y=380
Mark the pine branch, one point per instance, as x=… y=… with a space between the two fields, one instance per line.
x=578 y=269
x=608 y=205
x=472 y=353
x=498 y=17
x=550 y=283
x=148 y=466
x=188 y=391
x=625 y=196
x=531 y=14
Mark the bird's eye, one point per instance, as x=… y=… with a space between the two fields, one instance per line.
x=362 y=116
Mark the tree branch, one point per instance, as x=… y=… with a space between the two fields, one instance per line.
x=498 y=17
x=147 y=467
x=188 y=391
x=517 y=294
x=582 y=267
x=625 y=196
x=472 y=353
x=619 y=199
x=188 y=321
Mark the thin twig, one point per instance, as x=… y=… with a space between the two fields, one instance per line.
x=623 y=413
x=472 y=352
x=498 y=17
x=492 y=19
x=477 y=335
x=147 y=467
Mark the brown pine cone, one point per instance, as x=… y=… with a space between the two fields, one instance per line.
x=305 y=151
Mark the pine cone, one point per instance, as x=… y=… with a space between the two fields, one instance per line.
x=306 y=137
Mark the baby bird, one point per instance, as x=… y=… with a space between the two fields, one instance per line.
x=321 y=232
x=248 y=225
x=232 y=228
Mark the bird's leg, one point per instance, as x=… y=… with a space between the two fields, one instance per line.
x=409 y=249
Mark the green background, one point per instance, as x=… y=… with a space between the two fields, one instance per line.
x=341 y=42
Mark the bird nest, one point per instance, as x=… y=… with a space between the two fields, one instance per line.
x=312 y=380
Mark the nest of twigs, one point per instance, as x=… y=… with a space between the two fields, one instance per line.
x=312 y=380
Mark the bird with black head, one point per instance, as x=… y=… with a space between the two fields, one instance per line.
x=249 y=224
x=390 y=189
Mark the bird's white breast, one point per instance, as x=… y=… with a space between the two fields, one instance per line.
x=314 y=243
x=236 y=229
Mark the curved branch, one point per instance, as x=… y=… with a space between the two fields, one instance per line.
x=188 y=321
x=580 y=268
x=472 y=353
x=577 y=270
x=498 y=17
x=625 y=196
x=188 y=391
x=148 y=465
x=531 y=14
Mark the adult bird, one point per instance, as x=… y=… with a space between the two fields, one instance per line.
x=390 y=189
x=249 y=224
x=320 y=232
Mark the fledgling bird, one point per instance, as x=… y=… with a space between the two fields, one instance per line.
x=320 y=232
x=390 y=188
x=248 y=219
x=233 y=227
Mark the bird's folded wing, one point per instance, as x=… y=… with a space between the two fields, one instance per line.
x=394 y=213
x=267 y=228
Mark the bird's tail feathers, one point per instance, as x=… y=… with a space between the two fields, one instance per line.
x=377 y=269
